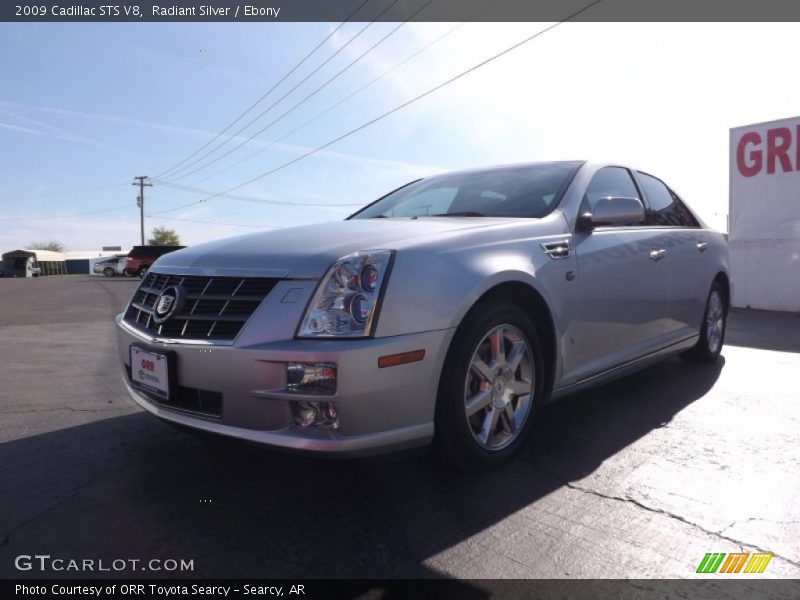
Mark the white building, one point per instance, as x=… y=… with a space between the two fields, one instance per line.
x=764 y=215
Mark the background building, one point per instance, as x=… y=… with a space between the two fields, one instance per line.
x=764 y=215
x=82 y=262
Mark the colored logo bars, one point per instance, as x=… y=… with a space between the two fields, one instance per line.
x=716 y=562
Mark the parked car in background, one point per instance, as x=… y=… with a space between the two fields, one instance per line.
x=447 y=311
x=141 y=257
x=110 y=266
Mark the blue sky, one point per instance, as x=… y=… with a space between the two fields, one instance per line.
x=88 y=105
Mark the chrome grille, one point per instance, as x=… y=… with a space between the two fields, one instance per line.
x=216 y=308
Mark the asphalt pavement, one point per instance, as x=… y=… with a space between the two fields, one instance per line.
x=637 y=479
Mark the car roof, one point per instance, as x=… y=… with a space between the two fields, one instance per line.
x=511 y=166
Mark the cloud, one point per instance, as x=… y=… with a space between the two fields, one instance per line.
x=382 y=165
x=109 y=119
x=61 y=134
x=18 y=128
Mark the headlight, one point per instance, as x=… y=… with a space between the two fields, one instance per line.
x=347 y=299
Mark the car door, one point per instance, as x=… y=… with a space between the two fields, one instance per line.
x=685 y=245
x=623 y=285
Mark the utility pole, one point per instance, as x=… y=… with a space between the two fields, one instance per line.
x=140 y=200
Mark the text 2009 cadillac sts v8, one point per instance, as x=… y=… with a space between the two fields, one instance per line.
x=447 y=311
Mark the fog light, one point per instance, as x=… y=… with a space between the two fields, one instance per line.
x=315 y=414
x=311 y=378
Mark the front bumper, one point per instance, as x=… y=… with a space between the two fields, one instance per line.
x=380 y=409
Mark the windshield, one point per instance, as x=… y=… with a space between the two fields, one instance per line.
x=530 y=191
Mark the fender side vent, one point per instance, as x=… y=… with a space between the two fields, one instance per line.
x=558 y=249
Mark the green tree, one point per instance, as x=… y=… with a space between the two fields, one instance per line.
x=53 y=245
x=163 y=236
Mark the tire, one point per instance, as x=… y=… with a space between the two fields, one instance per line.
x=142 y=272
x=483 y=415
x=712 y=330
x=108 y=272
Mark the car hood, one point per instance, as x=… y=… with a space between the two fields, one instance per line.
x=308 y=251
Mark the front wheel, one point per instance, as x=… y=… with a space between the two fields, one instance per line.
x=712 y=332
x=491 y=381
x=108 y=272
x=142 y=272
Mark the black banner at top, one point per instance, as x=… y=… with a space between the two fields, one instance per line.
x=397 y=10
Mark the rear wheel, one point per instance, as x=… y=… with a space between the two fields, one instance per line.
x=491 y=381
x=712 y=332
x=142 y=272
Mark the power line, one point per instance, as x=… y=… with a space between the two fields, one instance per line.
x=398 y=107
x=259 y=200
x=218 y=222
x=244 y=198
x=52 y=217
x=285 y=95
x=306 y=98
x=336 y=105
x=35 y=196
x=267 y=93
x=214 y=222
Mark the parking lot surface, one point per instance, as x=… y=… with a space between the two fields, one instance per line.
x=637 y=479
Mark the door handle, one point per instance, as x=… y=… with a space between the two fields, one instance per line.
x=657 y=254
x=702 y=246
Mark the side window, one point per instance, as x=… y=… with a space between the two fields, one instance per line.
x=609 y=181
x=685 y=216
x=665 y=209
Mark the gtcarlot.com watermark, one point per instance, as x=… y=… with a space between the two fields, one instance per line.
x=46 y=563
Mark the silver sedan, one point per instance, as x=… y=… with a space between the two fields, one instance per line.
x=446 y=312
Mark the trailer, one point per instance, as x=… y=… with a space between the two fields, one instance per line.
x=33 y=263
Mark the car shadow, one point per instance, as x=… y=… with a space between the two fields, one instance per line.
x=765 y=330
x=129 y=486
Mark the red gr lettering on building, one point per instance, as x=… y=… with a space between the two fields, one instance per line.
x=750 y=158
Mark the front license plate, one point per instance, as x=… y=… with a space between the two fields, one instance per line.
x=150 y=372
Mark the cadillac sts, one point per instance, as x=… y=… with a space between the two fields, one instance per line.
x=444 y=313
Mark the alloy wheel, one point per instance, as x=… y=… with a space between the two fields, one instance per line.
x=715 y=321
x=498 y=391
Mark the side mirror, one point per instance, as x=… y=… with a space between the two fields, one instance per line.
x=613 y=211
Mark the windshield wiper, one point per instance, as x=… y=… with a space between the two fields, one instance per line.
x=466 y=213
